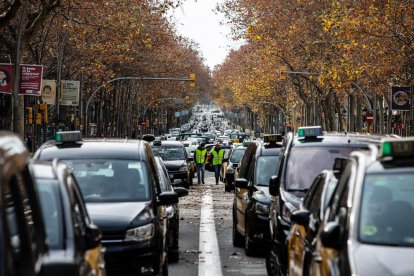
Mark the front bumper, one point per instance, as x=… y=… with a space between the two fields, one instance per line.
x=178 y=175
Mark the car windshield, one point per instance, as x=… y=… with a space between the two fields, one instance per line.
x=305 y=163
x=387 y=209
x=52 y=211
x=237 y=155
x=105 y=180
x=169 y=153
x=266 y=166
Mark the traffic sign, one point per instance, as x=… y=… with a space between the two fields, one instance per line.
x=369 y=117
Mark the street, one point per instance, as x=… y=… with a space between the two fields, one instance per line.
x=232 y=260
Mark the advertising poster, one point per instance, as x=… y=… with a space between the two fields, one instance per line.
x=6 y=78
x=31 y=80
x=401 y=98
x=49 y=91
x=70 y=93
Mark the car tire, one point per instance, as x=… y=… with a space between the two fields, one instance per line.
x=273 y=266
x=237 y=237
x=227 y=186
x=249 y=245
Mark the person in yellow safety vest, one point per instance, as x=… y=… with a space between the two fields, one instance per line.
x=217 y=155
x=200 y=159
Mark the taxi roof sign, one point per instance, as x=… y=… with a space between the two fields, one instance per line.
x=401 y=148
x=272 y=138
x=68 y=136
x=312 y=131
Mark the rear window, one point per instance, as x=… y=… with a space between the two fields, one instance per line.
x=103 y=180
x=169 y=153
x=305 y=163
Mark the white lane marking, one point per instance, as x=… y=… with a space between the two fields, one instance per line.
x=209 y=259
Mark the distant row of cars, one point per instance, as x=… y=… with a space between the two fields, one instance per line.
x=326 y=202
x=105 y=206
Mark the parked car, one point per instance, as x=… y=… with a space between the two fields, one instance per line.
x=368 y=227
x=251 y=202
x=172 y=211
x=176 y=159
x=302 y=158
x=228 y=169
x=122 y=191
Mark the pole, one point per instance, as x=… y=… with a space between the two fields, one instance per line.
x=16 y=82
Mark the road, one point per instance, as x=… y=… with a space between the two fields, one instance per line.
x=206 y=235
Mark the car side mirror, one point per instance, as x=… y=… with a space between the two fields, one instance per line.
x=274 y=185
x=300 y=217
x=331 y=235
x=167 y=198
x=180 y=191
x=190 y=159
x=225 y=160
x=177 y=182
x=93 y=236
x=241 y=183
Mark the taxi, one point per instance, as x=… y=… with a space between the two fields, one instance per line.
x=230 y=164
x=252 y=199
x=302 y=158
x=368 y=227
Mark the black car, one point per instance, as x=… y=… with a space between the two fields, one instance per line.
x=302 y=158
x=368 y=226
x=172 y=211
x=176 y=159
x=251 y=196
x=23 y=247
x=121 y=188
x=71 y=236
x=229 y=169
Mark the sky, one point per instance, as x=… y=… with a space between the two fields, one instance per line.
x=197 y=20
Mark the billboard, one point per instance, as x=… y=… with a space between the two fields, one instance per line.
x=31 y=80
x=6 y=78
x=49 y=91
x=70 y=93
x=401 y=98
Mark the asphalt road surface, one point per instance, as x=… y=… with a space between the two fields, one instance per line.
x=206 y=235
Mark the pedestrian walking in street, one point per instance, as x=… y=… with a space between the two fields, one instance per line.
x=217 y=154
x=200 y=159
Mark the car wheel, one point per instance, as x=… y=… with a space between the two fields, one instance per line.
x=237 y=237
x=273 y=266
x=249 y=246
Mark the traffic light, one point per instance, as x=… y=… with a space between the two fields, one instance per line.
x=192 y=80
x=30 y=116
x=45 y=116
x=281 y=70
x=147 y=123
x=38 y=119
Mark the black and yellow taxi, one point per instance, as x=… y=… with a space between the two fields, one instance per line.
x=251 y=198
x=306 y=222
x=302 y=158
x=120 y=185
x=368 y=227
x=230 y=164
x=72 y=237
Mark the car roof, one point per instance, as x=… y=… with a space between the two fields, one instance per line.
x=337 y=140
x=178 y=144
x=94 y=148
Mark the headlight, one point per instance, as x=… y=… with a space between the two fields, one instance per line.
x=141 y=233
x=183 y=169
x=262 y=209
x=287 y=210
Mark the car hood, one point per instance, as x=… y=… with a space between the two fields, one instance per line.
x=383 y=260
x=174 y=164
x=262 y=194
x=114 y=215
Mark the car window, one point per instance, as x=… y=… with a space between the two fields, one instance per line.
x=301 y=168
x=52 y=211
x=106 y=180
x=307 y=200
x=169 y=153
x=266 y=166
x=387 y=209
x=237 y=155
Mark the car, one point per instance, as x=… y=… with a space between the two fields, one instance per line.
x=303 y=157
x=120 y=185
x=172 y=211
x=24 y=248
x=233 y=158
x=367 y=227
x=185 y=136
x=176 y=159
x=307 y=220
x=251 y=202
x=72 y=237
